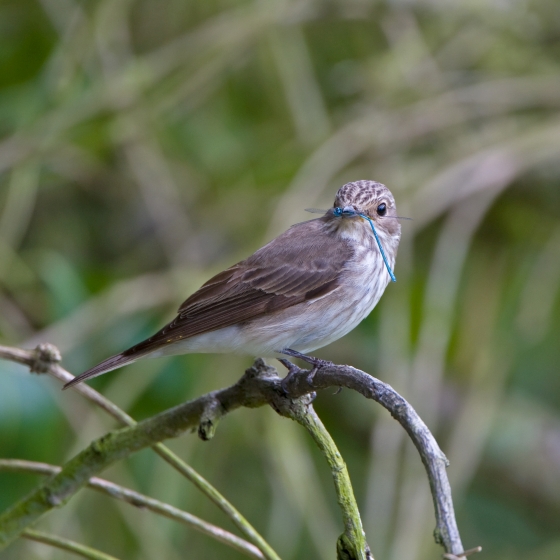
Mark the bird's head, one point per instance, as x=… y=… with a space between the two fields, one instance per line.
x=371 y=199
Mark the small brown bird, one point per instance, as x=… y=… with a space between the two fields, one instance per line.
x=305 y=289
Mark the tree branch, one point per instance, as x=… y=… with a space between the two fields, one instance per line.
x=45 y=359
x=203 y=412
x=65 y=544
x=446 y=532
x=144 y=502
x=259 y=385
x=352 y=543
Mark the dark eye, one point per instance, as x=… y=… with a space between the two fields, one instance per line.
x=382 y=209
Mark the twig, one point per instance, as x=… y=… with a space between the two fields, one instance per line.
x=141 y=501
x=469 y=552
x=45 y=358
x=65 y=544
x=225 y=505
x=260 y=385
x=352 y=543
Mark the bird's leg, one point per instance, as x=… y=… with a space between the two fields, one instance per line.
x=315 y=362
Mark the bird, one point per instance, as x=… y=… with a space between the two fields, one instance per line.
x=306 y=288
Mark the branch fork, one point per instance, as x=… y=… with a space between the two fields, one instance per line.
x=260 y=385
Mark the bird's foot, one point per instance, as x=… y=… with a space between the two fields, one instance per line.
x=293 y=370
x=317 y=363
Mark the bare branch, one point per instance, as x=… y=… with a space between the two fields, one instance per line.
x=469 y=552
x=65 y=544
x=119 y=444
x=45 y=358
x=259 y=385
x=352 y=543
x=435 y=462
x=144 y=502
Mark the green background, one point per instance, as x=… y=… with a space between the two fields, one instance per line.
x=146 y=145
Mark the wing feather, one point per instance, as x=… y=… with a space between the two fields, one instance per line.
x=302 y=264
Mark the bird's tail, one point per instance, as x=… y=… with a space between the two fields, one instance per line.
x=114 y=362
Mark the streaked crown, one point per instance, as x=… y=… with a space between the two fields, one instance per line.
x=362 y=194
x=371 y=199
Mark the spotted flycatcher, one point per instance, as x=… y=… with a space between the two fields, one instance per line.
x=303 y=290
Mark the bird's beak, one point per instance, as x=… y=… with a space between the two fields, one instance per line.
x=349 y=211
x=352 y=212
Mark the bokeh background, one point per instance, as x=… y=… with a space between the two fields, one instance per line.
x=145 y=145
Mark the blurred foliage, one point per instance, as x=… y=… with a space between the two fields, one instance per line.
x=146 y=145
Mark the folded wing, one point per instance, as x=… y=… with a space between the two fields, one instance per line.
x=302 y=264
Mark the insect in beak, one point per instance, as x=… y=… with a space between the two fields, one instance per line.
x=348 y=211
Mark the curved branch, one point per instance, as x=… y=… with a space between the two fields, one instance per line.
x=446 y=532
x=259 y=385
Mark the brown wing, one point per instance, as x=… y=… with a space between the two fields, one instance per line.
x=303 y=263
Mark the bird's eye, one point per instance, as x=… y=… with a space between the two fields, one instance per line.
x=382 y=209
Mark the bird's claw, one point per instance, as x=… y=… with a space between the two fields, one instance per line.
x=294 y=370
x=311 y=375
x=317 y=364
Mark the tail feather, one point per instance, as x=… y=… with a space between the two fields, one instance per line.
x=114 y=362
